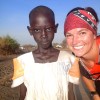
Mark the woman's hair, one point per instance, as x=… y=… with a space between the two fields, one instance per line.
x=93 y=12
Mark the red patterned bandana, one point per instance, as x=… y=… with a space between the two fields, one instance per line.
x=80 y=19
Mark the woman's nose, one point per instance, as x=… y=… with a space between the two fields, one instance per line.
x=75 y=40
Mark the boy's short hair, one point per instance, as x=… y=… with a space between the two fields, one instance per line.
x=41 y=10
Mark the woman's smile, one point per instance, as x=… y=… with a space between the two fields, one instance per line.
x=78 y=47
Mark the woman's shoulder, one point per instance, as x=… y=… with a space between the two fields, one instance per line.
x=98 y=39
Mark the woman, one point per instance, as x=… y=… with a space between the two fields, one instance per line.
x=80 y=29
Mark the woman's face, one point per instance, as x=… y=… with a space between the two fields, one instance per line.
x=80 y=41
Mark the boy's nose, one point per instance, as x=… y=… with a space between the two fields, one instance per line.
x=44 y=33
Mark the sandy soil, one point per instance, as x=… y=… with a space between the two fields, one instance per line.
x=6 y=72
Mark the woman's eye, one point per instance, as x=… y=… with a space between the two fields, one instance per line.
x=82 y=33
x=68 y=35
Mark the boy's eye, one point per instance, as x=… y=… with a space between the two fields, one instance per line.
x=49 y=29
x=36 y=30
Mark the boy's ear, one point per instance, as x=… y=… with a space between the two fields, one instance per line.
x=56 y=26
x=29 y=29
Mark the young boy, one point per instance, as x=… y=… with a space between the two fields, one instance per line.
x=44 y=73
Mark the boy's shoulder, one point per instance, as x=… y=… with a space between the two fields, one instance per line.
x=25 y=55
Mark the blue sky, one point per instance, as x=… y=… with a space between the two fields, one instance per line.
x=14 y=16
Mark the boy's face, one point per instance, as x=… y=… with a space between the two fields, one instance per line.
x=42 y=29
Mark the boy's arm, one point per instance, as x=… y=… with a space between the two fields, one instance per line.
x=71 y=95
x=22 y=91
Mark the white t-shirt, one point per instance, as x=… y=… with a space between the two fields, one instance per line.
x=45 y=81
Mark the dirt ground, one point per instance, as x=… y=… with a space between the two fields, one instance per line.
x=6 y=72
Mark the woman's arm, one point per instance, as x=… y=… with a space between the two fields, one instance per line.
x=89 y=83
x=22 y=91
x=91 y=86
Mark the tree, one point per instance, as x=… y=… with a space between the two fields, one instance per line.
x=8 y=45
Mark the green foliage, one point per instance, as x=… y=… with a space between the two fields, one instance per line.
x=8 y=45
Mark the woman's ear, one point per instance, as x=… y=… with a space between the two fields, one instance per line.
x=95 y=36
x=29 y=29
